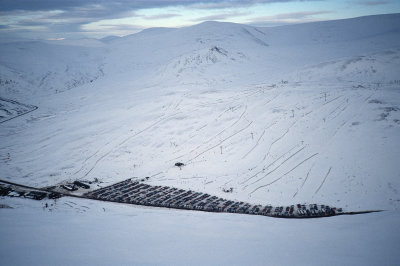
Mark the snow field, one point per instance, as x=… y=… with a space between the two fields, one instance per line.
x=88 y=232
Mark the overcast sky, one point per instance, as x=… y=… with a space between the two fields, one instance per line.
x=70 y=19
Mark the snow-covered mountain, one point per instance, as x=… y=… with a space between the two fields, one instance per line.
x=301 y=113
x=42 y=68
x=377 y=67
x=304 y=113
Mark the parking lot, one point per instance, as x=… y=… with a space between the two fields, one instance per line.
x=134 y=192
x=139 y=193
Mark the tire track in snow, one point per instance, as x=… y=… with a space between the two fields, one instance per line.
x=288 y=172
x=258 y=140
x=321 y=106
x=237 y=121
x=334 y=99
x=335 y=132
x=272 y=99
x=305 y=179
x=315 y=154
x=198 y=147
x=283 y=135
x=27 y=112
x=265 y=167
x=222 y=141
x=340 y=111
x=88 y=158
x=323 y=180
x=276 y=168
x=308 y=174
x=112 y=149
x=336 y=109
x=279 y=138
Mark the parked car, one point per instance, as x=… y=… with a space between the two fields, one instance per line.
x=82 y=185
x=69 y=187
x=37 y=195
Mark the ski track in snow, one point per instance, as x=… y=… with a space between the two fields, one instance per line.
x=278 y=166
x=323 y=181
x=119 y=144
x=266 y=167
x=266 y=185
x=219 y=143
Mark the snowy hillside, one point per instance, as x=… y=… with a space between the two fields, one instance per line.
x=36 y=68
x=303 y=113
x=376 y=68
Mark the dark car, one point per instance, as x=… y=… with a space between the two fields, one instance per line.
x=37 y=195
x=54 y=195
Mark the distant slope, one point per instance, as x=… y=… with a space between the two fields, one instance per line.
x=36 y=68
x=176 y=54
x=377 y=67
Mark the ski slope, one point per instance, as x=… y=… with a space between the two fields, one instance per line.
x=305 y=113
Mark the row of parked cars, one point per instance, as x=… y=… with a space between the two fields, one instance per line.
x=302 y=210
x=134 y=192
x=15 y=191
